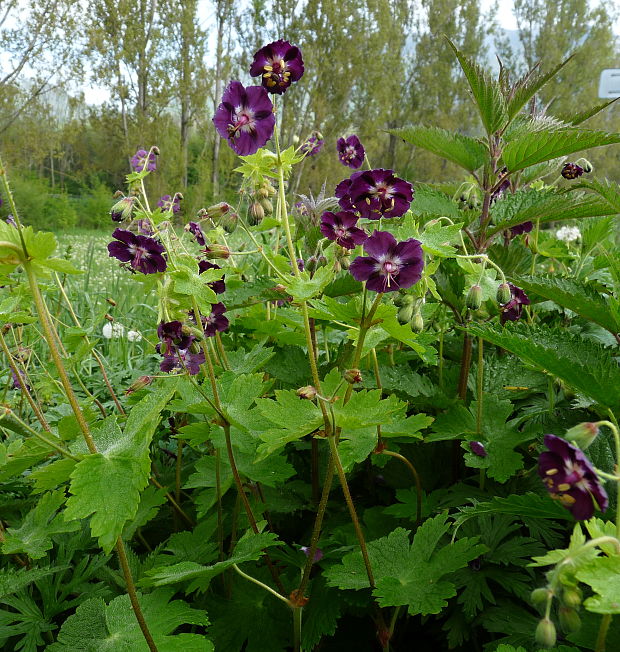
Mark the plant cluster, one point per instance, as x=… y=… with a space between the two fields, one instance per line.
x=303 y=349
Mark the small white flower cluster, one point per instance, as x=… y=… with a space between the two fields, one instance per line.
x=114 y=331
x=134 y=336
x=568 y=233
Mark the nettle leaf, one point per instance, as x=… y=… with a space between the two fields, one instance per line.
x=412 y=575
x=467 y=152
x=575 y=296
x=249 y=548
x=107 y=484
x=34 y=536
x=486 y=93
x=97 y=627
x=543 y=145
x=431 y=201
x=303 y=287
x=580 y=363
x=603 y=576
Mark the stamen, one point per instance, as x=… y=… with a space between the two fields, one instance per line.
x=551 y=471
x=563 y=487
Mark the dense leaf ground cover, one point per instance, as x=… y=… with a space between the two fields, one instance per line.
x=376 y=418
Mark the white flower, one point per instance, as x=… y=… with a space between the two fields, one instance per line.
x=113 y=331
x=568 y=233
x=134 y=336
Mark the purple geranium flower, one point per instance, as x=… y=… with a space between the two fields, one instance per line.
x=142 y=253
x=279 y=64
x=570 y=478
x=318 y=553
x=245 y=118
x=512 y=310
x=375 y=194
x=168 y=203
x=183 y=359
x=18 y=380
x=196 y=231
x=217 y=286
x=313 y=144
x=526 y=227
x=477 y=448
x=351 y=151
x=572 y=171
x=172 y=337
x=341 y=228
x=142 y=158
x=11 y=220
x=215 y=322
x=143 y=226
x=390 y=265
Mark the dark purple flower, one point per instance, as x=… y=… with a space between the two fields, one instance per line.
x=512 y=310
x=375 y=194
x=318 y=553
x=217 y=286
x=341 y=228
x=343 y=194
x=168 y=203
x=390 y=265
x=245 y=118
x=279 y=64
x=139 y=160
x=502 y=188
x=215 y=322
x=351 y=151
x=181 y=359
x=142 y=253
x=526 y=227
x=313 y=144
x=572 y=171
x=19 y=381
x=570 y=478
x=172 y=337
x=196 y=231
x=477 y=448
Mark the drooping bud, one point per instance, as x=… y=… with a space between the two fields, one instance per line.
x=503 y=294
x=474 y=297
x=545 y=633
x=572 y=596
x=583 y=434
x=586 y=165
x=256 y=213
x=215 y=251
x=123 y=209
x=539 y=597
x=262 y=193
x=417 y=322
x=308 y=392
x=353 y=376
x=477 y=448
x=140 y=383
x=312 y=263
x=229 y=222
x=572 y=171
x=404 y=299
x=217 y=210
x=405 y=314
x=267 y=206
x=569 y=620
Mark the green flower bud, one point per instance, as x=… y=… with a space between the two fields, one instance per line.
x=140 y=383
x=308 y=392
x=215 y=251
x=312 y=263
x=256 y=213
x=539 y=597
x=262 y=193
x=267 y=206
x=583 y=434
x=353 y=376
x=123 y=209
x=405 y=314
x=404 y=299
x=474 y=297
x=229 y=222
x=417 y=322
x=545 y=633
x=571 y=597
x=569 y=620
x=503 y=294
x=217 y=210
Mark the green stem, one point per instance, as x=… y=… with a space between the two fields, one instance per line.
x=263 y=586
x=297 y=620
x=416 y=478
x=602 y=633
x=616 y=433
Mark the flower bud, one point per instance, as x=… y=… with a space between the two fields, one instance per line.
x=215 y=251
x=477 y=448
x=583 y=434
x=267 y=206
x=322 y=260
x=474 y=297
x=404 y=300
x=503 y=294
x=312 y=263
x=545 y=633
x=111 y=301
x=217 y=210
x=539 y=597
x=123 y=209
x=140 y=383
x=569 y=620
x=229 y=222
x=256 y=213
x=405 y=314
x=155 y=150
x=262 y=193
x=308 y=392
x=417 y=322
x=353 y=376
x=571 y=597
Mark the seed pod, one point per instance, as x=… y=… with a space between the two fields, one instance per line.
x=545 y=633
x=474 y=297
x=417 y=322
x=503 y=294
x=569 y=620
x=257 y=212
x=405 y=314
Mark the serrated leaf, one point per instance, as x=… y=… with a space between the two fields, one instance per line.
x=580 y=363
x=60 y=265
x=97 y=627
x=543 y=145
x=575 y=296
x=462 y=150
x=486 y=93
x=303 y=287
x=579 y=118
x=603 y=576
x=34 y=536
x=412 y=575
x=15 y=580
